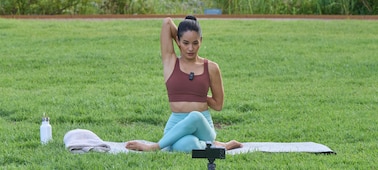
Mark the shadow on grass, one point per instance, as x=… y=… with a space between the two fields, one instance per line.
x=13 y=115
x=4 y=113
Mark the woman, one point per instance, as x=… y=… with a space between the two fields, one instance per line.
x=188 y=79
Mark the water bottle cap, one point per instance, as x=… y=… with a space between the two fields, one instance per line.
x=45 y=119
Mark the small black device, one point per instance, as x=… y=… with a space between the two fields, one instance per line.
x=211 y=153
x=191 y=76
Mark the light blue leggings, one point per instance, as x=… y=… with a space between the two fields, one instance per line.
x=186 y=131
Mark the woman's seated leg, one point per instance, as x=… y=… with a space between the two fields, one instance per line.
x=188 y=143
x=194 y=124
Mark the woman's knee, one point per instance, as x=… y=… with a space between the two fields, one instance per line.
x=188 y=143
x=196 y=115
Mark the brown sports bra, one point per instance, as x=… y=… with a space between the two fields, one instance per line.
x=181 y=88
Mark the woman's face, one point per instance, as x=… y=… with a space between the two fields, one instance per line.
x=189 y=44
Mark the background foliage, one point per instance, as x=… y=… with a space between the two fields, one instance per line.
x=51 y=7
x=299 y=6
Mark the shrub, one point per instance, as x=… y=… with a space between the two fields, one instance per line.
x=52 y=7
x=344 y=7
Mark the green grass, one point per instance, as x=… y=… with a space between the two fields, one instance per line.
x=285 y=81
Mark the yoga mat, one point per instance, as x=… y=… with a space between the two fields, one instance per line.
x=81 y=141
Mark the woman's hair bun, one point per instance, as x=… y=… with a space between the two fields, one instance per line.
x=191 y=17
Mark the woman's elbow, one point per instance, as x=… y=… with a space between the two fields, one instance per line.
x=214 y=104
x=167 y=20
x=218 y=107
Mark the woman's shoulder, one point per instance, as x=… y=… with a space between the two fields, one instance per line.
x=212 y=65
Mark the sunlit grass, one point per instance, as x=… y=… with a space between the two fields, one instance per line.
x=285 y=81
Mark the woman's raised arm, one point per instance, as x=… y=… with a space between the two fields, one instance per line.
x=168 y=34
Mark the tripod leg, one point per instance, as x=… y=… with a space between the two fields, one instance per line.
x=211 y=166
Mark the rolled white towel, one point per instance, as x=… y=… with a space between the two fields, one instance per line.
x=82 y=141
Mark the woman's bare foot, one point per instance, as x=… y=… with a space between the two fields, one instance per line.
x=138 y=146
x=233 y=144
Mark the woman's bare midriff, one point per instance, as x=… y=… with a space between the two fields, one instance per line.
x=188 y=106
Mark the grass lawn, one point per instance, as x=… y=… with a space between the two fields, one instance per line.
x=285 y=81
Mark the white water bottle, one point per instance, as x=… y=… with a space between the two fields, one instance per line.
x=45 y=130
